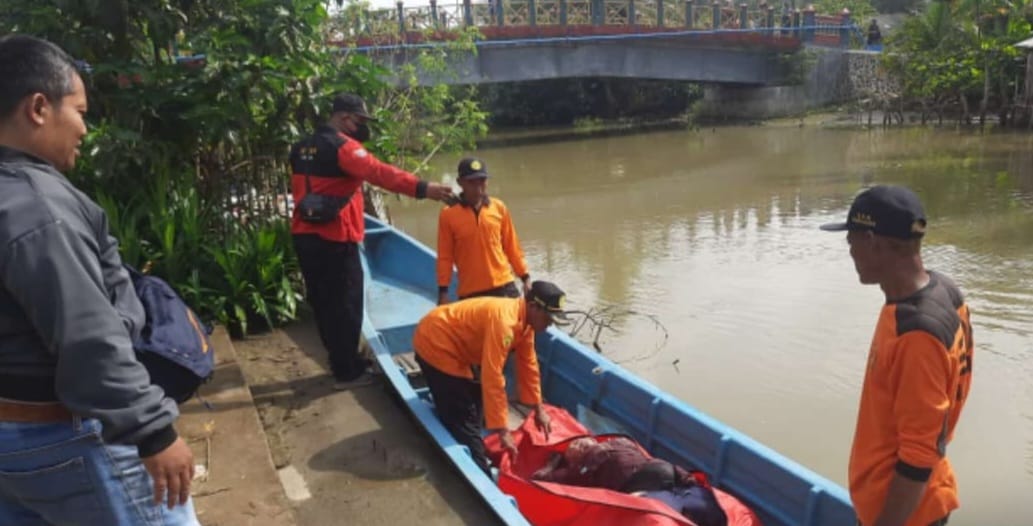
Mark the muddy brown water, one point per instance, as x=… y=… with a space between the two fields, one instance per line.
x=715 y=234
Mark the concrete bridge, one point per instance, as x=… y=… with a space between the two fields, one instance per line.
x=522 y=40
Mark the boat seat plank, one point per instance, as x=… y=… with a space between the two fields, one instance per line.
x=517 y=413
x=407 y=363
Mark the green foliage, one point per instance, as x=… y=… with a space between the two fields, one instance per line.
x=961 y=55
x=896 y=6
x=256 y=276
x=188 y=156
x=249 y=276
x=860 y=10
x=796 y=66
x=446 y=118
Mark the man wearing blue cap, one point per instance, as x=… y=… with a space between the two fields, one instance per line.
x=919 y=367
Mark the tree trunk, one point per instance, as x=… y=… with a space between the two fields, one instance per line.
x=986 y=90
x=1005 y=109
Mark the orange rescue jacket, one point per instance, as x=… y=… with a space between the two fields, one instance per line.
x=481 y=332
x=918 y=377
x=482 y=244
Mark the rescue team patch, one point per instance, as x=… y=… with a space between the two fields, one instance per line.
x=360 y=153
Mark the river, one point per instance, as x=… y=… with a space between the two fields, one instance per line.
x=714 y=233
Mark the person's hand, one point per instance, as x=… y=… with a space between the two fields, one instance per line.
x=443 y=298
x=542 y=420
x=527 y=285
x=439 y=192
x=172 y=470
x=508 y=443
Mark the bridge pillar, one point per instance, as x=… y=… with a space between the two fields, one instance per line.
x=563 y=12
x=808 y=24
x=796 y=23
x=401 y=18
x=715 y=15
x=631 y=13
x=598 y=12
x=690 y=15
x=468 y=12
x=659 y=13
x=844 y=29
x=500 y=12
x=434 y=13
x=744 y=16
x=771 y=19
x=532 y=13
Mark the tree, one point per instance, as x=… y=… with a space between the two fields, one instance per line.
x=960 y=52
x=193 y=104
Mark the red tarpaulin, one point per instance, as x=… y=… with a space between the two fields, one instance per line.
x=551 y=504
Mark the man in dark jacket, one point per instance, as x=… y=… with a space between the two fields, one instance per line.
x=874 y=35
x=328 y=169
x=84 y=436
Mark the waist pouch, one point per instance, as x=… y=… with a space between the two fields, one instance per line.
x=320 y=208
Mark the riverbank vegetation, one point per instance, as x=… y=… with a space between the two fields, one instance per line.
x=193 y=106
x=958 y=60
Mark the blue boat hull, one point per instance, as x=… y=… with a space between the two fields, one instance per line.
x=401 y=288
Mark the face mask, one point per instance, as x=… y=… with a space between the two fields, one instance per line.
x=362 y=133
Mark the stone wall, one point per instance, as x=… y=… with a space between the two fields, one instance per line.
x=833 y=76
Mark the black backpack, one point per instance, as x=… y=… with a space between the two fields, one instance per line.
x=174 y=344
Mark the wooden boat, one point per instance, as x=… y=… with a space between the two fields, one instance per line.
x=401 y=288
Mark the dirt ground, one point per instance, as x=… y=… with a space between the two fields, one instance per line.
x=236 y=484
x=350 y=457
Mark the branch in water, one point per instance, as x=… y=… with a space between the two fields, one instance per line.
x=598 y=319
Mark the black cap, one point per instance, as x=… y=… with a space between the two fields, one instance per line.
x=350 y=103
x=548 y=296
x=472 y=168
x=893 y=211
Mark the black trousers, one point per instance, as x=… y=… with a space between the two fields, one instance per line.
x=458 y=404
x=334 y=288
x=509 y=290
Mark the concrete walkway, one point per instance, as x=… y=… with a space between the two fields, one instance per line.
x=239 y=486
x=352 y=457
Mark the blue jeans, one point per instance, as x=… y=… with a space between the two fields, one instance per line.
x=58 y=474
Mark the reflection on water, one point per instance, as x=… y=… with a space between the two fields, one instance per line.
x=715 y=233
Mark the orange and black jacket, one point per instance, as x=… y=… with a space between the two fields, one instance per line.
x=337 y=165
x=918 y=377
x=482 y=244
x=481 y=332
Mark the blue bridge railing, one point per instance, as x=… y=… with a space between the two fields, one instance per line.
x=521 y=19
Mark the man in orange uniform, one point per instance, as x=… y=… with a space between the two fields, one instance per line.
x=477 y=235
x=328 y=169
x=454 y=339
x=919 y=368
